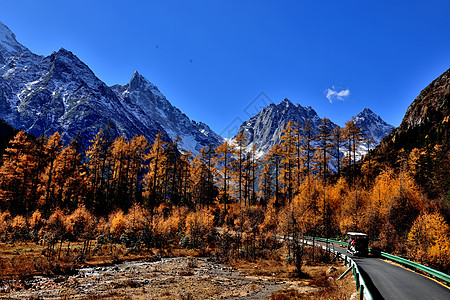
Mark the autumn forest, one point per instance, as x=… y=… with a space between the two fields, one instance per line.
x=149 y=195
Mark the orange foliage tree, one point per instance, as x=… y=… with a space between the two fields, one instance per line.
x=52 y=147
x=197 y=226
x=17 y=173
x=223 y=160
x=429 y=240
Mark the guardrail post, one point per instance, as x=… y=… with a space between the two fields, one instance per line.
x=357 y=281
x=361 y=292
x=346 y=271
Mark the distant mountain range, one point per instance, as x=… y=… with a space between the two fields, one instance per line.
x=45 y=94
x=265 y=129
x=372 y=125
x=42 y=95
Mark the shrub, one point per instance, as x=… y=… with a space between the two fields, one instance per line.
x=55 y=227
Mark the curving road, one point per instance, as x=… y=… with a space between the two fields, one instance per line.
x=389 y=281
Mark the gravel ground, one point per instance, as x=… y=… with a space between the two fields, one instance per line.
x=172 y=278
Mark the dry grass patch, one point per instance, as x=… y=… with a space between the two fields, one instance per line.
x=326 y=286
x=180 y=280
x=290 y=294
x=25 y=259
x=264 y=267
x=273 y=266
x=320 y=277
x=111 y=295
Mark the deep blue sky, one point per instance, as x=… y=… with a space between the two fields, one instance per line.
x=212 y=58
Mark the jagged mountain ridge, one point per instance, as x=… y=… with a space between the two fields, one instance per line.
x=42 y=95
x=60 y=93
x=264 y=130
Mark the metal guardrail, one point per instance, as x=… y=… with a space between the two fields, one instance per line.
x=325 y=240
x=361 y=286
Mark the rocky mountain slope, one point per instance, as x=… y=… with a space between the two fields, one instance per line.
x=143 y=99
x=422 y=141
x=42 y=95
x=426 y=120
x=9 y=46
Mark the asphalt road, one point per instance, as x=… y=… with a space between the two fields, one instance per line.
x=388 y=281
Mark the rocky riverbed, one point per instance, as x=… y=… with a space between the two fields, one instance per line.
x=169 y=278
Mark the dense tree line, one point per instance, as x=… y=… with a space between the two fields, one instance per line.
x=144 y=194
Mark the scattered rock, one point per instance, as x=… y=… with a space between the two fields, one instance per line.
x=176 y=276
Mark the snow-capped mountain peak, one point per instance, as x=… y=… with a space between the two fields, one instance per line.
x=139 y=82
x=286 y=102
x=372 y=125
x=147 y=103
x=264 y=130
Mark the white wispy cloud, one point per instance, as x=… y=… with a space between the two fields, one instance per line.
x=334 y=94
